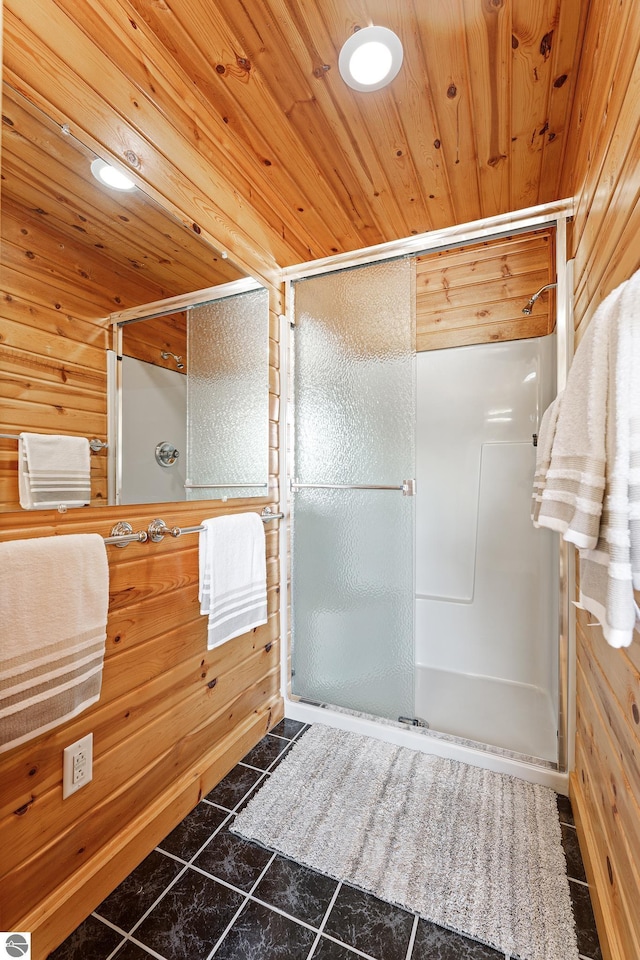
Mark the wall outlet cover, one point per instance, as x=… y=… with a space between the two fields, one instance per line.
x=77 y=765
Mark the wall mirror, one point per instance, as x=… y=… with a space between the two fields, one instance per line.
x=199 y=428
x=138 y=253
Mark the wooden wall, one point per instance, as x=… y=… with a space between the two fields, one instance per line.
x=56 y=297
x=150 y=339
x=144 y=783
x=120 y=91
x=173 y=717
x=475 y=293
x=601 y=169
x=474 y=124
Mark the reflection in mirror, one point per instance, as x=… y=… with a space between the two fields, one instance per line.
x=153 y=412
x=199 y=431
x=228 y=397
x=73 y=252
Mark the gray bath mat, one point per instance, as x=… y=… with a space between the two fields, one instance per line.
x=472 y=850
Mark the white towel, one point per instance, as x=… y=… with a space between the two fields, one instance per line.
x=546 y=436
x=607 y=572
x=54 y=596
x=590 y=491
x=573 y=493
x=634 y=443
x=233 y=576
x=53 y=470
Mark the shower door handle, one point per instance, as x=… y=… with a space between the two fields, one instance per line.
x=407 y=487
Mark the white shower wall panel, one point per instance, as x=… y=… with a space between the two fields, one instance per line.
x=486 y=580
x=154 y=410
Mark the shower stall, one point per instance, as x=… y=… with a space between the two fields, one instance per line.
x=486 y=580
x=425 y=608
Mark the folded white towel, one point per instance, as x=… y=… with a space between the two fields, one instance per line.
x=54 y=596
x=53 y=470
x=233 y=575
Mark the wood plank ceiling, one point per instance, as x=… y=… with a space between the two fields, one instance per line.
x=56 y=216
x=474 y=125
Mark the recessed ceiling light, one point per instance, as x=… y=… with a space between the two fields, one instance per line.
x=370 y=58
x=111 y=176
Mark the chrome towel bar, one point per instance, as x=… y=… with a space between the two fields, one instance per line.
x=95 y=445
x=122 y=533
x=158 y=529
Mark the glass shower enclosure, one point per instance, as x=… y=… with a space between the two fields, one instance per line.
x=420 y=590
x=352 y=496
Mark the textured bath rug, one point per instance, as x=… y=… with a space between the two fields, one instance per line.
x=472 y=850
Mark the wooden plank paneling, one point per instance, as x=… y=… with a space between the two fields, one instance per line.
x=453 y=154
x=566 y=46
x=533 y=30
x=615 y=864
x=236 y=116
x=159 y=715
x=199 y=708
x=476 y=294
x=91 y=883
x=173 y=717
x=148 y=340
x=282 y=161
x=48 y=181
x=601 y=169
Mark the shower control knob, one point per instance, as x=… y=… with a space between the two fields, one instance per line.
x=166 y=454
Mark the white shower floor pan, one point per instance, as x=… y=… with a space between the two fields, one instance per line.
x=511 y=716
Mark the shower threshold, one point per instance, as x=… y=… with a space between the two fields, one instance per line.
x=513 y=716
x=433 y=734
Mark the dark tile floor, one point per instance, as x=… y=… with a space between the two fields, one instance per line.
x=205 y=893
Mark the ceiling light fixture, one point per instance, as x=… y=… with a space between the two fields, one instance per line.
x=370 y=58
x=110 y=176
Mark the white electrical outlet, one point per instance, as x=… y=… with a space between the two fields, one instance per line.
x=77 y=765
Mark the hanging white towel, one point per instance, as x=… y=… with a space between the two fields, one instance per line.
x=634 y=439
x=233 y=576
x=53 y=470
x=546 y=436
x=591 y=489
x=573 y=493
x=54 y=597
x=607 y=572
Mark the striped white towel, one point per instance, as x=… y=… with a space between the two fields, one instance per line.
x=233 y=576
x=609 y=572
x=54 y=596
x=573 y=494
x=589 y=490
x=53 y=470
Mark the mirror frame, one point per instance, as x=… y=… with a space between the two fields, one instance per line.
x=161 y=204
x=150 y=311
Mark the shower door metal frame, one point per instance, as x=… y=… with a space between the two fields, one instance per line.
x=555 y=214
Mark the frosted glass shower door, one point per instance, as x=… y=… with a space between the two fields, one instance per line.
x=354 y=399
